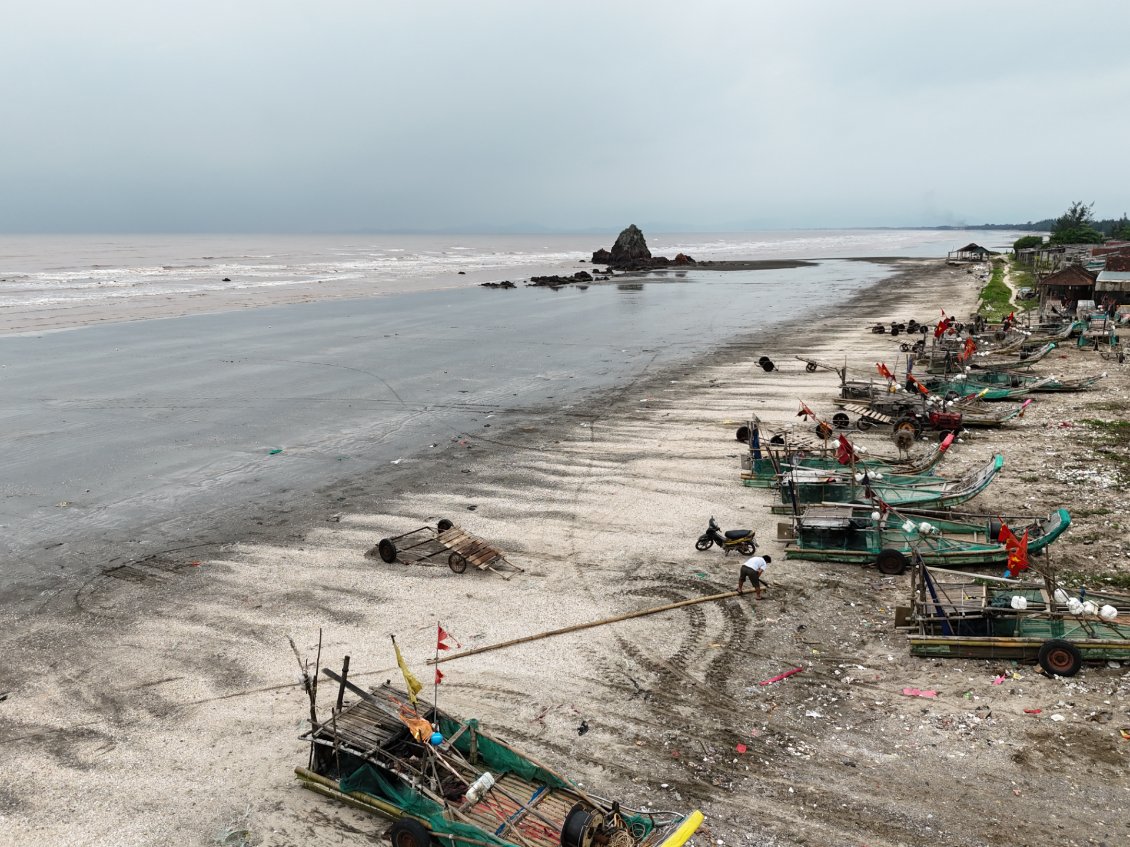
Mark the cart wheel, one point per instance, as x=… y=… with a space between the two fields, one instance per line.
x=891 y=562
x=444 y=525
x=810 y=368
x=457 y=562
x=387 y=551
x=747 y=548
x=743 y=434
x=863 y=425
x=1061 y=658
x=908 y=425
x=407 y=832
x=840 y=420
x=823 y=430
x=904 y=347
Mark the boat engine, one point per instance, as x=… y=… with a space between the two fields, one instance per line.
x=592 y=828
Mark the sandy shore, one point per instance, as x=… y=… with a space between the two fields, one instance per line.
x=157 y=703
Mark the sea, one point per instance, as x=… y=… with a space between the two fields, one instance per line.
x=50 y=270
x=133 y=437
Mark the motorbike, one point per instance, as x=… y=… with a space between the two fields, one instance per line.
x=741 y=540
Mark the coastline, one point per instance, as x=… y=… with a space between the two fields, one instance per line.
x=185 y=661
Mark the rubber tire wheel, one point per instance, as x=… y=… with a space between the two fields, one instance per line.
x=387 y=551
x=904 y=347
x=863 y=425
x=907 y=425
x=840 y=420
x=951 y=396
x=823 y=431
x=743 y=434
x=891 y=562
x=444 y=525
x=747 y=548
x=810 y=368
x=995 y=526
x=457 y=562
x=704 y=544
x=408 y=832
x=1061 y=658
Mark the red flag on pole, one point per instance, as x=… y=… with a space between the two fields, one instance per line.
x=970 y=347
x=805 y=412
x=846 y=452
x=922 y=389
x=1018 y=557
x=884 y=371
x=439 y=676
x=442 y=637
x=1007 y=537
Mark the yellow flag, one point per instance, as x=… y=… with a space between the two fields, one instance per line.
x=414 y=685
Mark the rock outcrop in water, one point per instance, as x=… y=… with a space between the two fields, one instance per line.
x=630 y=253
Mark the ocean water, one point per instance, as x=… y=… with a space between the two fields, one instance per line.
x=127 y=438
x=113 y=270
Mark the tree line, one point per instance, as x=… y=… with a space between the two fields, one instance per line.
x=1075 y=226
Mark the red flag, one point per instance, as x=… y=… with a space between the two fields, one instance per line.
x=439 y=676
x=805 y=412
x=970 y=346
x=846 y=453
x=942 y=325
x=1018 y=557
x=442 y=637
x=1007 y=537
x=884 y=371
x=921 y=388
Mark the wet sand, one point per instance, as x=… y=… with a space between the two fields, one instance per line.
x=157 y=702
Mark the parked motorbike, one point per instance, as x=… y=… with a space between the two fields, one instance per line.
x=741 y=540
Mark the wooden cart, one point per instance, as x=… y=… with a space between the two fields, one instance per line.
x=429 y=545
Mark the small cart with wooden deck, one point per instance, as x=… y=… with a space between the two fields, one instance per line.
x=427 y=545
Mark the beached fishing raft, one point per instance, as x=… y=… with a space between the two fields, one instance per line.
x=444 y=781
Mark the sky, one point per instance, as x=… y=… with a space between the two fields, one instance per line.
x=532 y=115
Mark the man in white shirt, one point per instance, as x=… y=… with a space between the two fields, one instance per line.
x=752 y=569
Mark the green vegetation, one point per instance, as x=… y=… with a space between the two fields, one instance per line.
x=996 y=297
x=1108 y=579
x=1076 y=226
x=1121 y=228
x=1027 y=241
x=1112 y=443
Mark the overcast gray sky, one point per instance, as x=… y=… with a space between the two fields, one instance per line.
x=344 y=115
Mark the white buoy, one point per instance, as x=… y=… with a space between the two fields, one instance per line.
x=1019 y=602
x=1108 y=613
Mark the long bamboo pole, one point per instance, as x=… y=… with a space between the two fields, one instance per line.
x=576 y=627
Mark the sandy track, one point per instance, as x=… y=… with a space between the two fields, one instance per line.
x=156 y=704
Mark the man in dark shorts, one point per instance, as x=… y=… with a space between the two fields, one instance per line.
x=752 y=569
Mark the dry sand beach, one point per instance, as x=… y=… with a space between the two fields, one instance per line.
x=158 y=703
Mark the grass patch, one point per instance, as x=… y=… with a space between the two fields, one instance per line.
x=1102 y=579
x=1112 y=443
x=1090 y=513
x=1117 y=432
x=996 y=297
